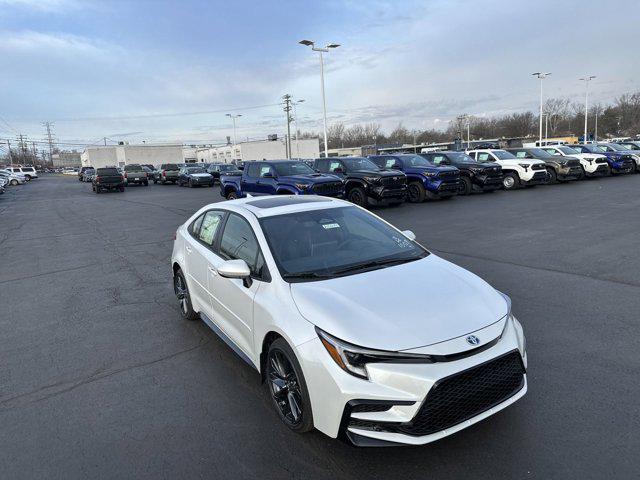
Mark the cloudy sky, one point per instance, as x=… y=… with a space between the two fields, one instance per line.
x=165 y=71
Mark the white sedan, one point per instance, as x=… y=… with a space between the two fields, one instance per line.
x=355 y=328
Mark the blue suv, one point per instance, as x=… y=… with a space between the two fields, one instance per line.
x=619 y=161
x=424 y=179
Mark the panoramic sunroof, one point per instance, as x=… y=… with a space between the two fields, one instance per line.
x=281 y=201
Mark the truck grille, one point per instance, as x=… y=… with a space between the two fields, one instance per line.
x=466 y=394
x=449 y=177
x=573 y=163
x=538 y=166
x=539 y=176
x=328 y=188
x=394 y=182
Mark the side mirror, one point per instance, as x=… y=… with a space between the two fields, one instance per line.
x=409 y=234
x=338 y=170
x=396 y=166
x=234 y=269
x=267 y=175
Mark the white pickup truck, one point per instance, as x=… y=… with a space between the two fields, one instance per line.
x=593 y=164
x=517 y=171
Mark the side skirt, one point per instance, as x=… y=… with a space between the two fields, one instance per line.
x=227 y=340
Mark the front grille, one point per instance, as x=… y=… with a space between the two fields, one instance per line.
x=539 y=176
x=466 y=394
x=328 y=188
x=573 y=163
x=394 y=182
x=538 y=166
x=449 y=176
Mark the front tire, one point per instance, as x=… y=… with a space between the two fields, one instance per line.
x=184 y=299
x=232 y=195
x=510 y=181
x=287 y=387
x=416 y=192
x=357 y=196
x=465 y=186
x=553 y=176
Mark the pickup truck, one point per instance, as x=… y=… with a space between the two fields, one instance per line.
x=279 y=177
x=134 y=173
x=364 y=181
x=474 y=176
x=107 y=179
x=168 y=173
x=424 y=179
x=517 y=171
x=560 y=169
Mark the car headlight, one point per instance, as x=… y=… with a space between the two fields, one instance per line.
x=353 y=359
x=429 y=174
x=303 y=186
x=372 y=179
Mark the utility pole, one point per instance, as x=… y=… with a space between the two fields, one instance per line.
x=287 y=110
x=105 y=141
x=10 y=156
x=541 y=76
x=48 y=126
x=22 y=144
x=586 y=81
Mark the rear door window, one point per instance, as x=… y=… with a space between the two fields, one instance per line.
x=239 y=242
x=209 y=226
x=253 y=170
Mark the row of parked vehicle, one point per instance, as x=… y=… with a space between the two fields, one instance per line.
x=393 y=178
x=16 y=175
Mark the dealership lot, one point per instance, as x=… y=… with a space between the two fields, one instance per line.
x=100 y=377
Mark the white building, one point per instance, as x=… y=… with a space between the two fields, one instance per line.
x=66 y=159
x=259 y=150
x=121 y=155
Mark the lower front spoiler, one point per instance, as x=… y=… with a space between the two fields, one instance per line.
x=369 y=438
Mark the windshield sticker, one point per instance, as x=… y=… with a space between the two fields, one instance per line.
x=328 y=226
x=402 y=242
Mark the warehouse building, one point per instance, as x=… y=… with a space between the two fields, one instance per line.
x=66 y=159
x=121 y=155
x=271 y=149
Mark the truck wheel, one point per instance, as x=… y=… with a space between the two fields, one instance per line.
x=465 y=186
x=184 y=299
x=510 y=181
x=553 y=176
x=232 y=195
x=357 y=196
x=416 y=192
x=190 y=184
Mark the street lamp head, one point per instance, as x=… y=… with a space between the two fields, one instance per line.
x=586 y=79
x=333 y=45
x=541 y=74
x=307 y=43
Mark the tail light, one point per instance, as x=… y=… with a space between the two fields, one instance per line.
x=97 y=179
x=122 y=177
x=164 y=173
x=125 y=174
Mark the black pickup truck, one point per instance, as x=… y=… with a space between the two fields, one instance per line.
x=364 y=181
x=107 y=179
x=474 y=176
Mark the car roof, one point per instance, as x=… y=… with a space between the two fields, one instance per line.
x=272 y=205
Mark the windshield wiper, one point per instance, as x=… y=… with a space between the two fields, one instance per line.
x=373 y=264
x=305 y=275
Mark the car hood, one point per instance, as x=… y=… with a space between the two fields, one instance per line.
x=401 y=307
x=433 y=169
x=379 y=173
x=310 y=178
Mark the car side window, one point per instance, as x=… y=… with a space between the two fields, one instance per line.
x=437 y=159
x=239 y=242
x=390 y=162
x=253 y=170
x=209 y=226
x=194 y=228
x=333 y=165
x=484 y=156
x=264 y=169
x=521 y=154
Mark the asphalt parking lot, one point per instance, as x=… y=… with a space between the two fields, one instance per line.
x=101 y=378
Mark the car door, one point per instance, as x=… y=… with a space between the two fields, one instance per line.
x=267 y=183
x=336 y=167
x=197 y=252
x=250 y=177
x=232 y=299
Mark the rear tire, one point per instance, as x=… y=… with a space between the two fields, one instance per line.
x=232 y=195
x=181 y=290
x=416 y=192
x=287 y=387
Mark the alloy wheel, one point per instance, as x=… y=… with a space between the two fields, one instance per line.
x=509 y=182
x=285 y=387
x=182 y=293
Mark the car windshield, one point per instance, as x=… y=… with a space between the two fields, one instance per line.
x=132 y=168
x=595 y=149
x=108 y=171
x=292 y=168
x=460 y=157
x=568 y=150
x=227 y=168
x=195 y=170
x=170 y=167
x=540 y=153
x=503 y=155
x=359 y=163
x=616 y=147
x=416 y=161
x=321 y=244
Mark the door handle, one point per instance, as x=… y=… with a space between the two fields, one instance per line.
x=188 y=249
x=213 y=271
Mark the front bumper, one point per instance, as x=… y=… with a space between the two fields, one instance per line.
x=487 y=182
x=622 y=166
x=540 y=177
x=569 y=173
x=382 y=193
x=403 y=388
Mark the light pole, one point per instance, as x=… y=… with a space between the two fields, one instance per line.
x=546 y=128
x=233 y=117
x=311 y=44
x=541 y=76
x=586 y=81
x=295 y=119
